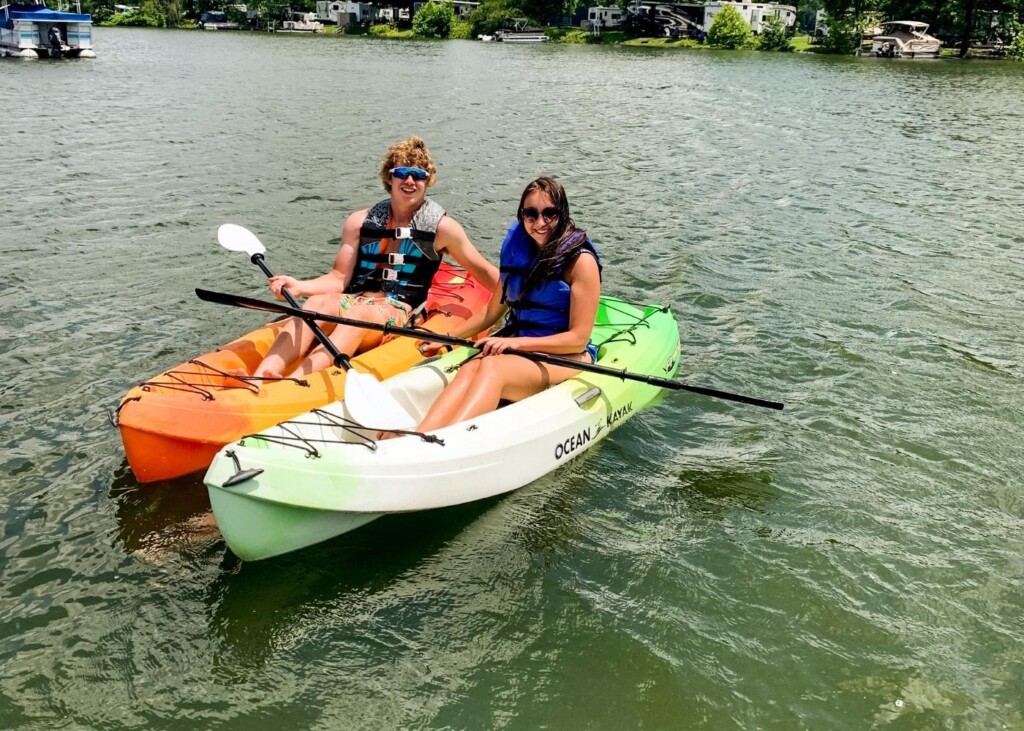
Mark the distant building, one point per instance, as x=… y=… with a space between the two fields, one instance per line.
x=754 y=13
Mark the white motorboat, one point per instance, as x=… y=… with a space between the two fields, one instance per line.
x=32 y=30
x=905 y=39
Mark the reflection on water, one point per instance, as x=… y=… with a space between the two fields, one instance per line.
x=157 y=518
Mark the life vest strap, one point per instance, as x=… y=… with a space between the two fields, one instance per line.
x=399 y=234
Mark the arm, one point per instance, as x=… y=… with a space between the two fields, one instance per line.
x=476 y=323
x=584 y=279
x=452 y=239
x=341 y=273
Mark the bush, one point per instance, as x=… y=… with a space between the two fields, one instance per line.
x=843 y=36
x=461 y=29
x=730 y=30
x=434 y=20
x=773 y=36
x=384 y=30
x=1015 y=51
x=134 y=18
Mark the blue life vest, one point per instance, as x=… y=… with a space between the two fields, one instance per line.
x=544 y=310
x=405 y=274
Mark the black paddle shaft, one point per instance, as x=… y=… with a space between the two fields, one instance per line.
x=340 y=359
x=255 y=304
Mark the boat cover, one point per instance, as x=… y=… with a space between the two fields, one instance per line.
x=43 y=13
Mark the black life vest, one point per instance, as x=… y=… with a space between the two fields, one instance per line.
x=405 y=274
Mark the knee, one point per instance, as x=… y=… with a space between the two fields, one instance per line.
x=467 y=373
x=326 y=303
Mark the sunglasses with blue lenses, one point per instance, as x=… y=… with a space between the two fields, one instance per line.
x=404 y=172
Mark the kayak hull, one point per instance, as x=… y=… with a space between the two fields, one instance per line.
x=177 y=421
x=322 y=474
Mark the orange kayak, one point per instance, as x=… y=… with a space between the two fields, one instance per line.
x=174 y=423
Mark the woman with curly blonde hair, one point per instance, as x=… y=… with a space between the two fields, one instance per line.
x=388 y=256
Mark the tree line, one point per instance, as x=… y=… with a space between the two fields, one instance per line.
x=957 y=23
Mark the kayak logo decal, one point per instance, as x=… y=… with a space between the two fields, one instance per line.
x=585 y=436
x=570 y=445
x=619 y=414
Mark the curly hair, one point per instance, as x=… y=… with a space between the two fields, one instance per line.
x=413 y=152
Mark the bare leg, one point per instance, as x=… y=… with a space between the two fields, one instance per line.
x=483 y=382
x=350 y=340
x=295 y=338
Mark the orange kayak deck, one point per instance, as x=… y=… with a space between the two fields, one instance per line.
x=174 y=423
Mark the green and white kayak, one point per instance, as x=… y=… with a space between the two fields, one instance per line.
x=322 y=474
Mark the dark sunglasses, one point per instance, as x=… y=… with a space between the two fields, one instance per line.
x=404 y=172
x=549 y=214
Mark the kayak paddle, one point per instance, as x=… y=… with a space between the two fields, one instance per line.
x=256 y=304
x=368 y=401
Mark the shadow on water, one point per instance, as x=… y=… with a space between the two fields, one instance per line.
x=157 y=518
x=715 y=492
x=255 y=603
x=259 y=606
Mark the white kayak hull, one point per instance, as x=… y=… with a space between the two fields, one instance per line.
x=322 y=475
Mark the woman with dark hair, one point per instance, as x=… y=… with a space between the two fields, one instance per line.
x=383 y=269
x=550 y=287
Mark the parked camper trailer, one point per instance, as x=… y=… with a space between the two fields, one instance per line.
x=341 y=13
x=754 y=13
x=603 y=18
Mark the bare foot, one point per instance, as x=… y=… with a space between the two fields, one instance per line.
x=272 y=366
x=268 y=373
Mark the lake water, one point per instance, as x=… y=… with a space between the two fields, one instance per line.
x=840 y=234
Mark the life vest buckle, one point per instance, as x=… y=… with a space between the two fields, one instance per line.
x=396 y=259
x=403 y=233
x=389 y=275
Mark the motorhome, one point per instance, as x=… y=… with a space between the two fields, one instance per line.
x=603 y=17
x=754 y=13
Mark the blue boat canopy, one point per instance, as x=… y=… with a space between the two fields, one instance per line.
x=41 y=12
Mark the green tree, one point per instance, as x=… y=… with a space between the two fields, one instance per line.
x=1015 y=51
x=434 y=20
x=773 y=35
x=490 y=16
x=729 y=30
x=843 y=35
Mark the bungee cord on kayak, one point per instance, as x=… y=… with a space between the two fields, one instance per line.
x=179 y=380
x=290 y=433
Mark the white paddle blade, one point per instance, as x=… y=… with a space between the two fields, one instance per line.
x=372 y=405
x=238 y=238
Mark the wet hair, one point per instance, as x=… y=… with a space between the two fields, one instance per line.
x=567 y=240
x=412 y=152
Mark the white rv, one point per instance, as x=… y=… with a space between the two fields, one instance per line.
x=342 y=13
x=754 y=13
x=602 y=17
